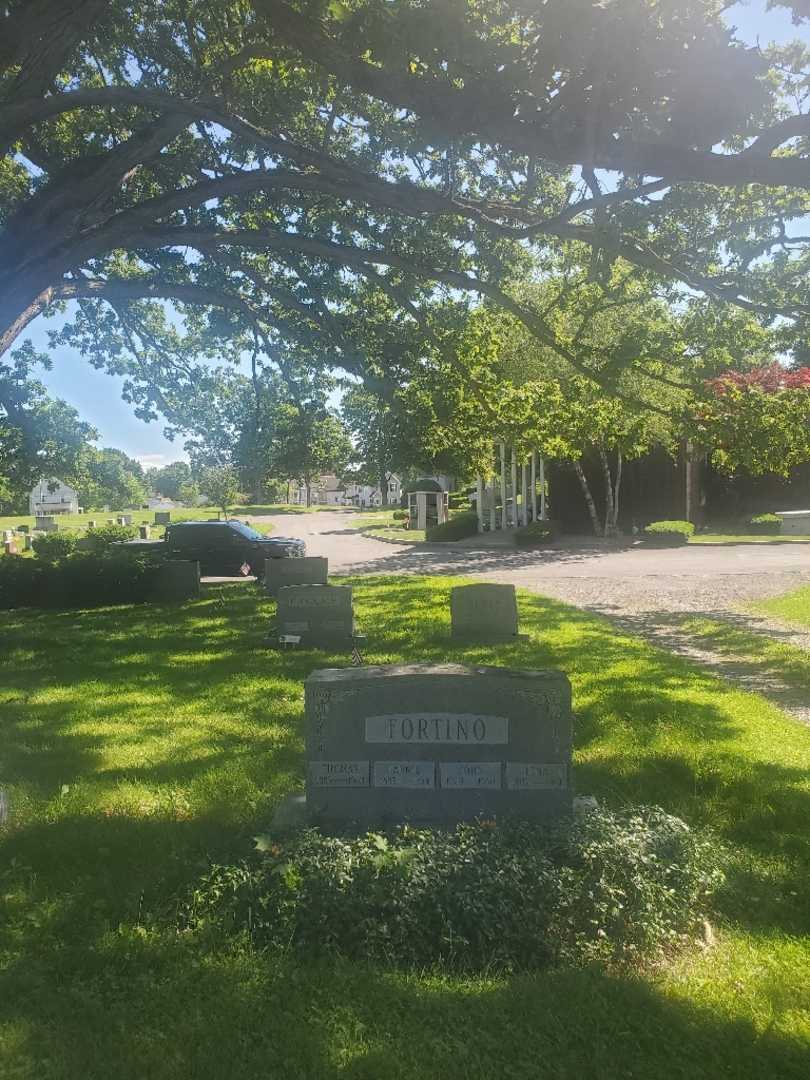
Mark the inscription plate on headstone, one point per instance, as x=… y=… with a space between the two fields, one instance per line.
x=467 y=774
x=443 y=743
x=344 y=774
x=404 y=774
x=437 y=728
x=527 y=777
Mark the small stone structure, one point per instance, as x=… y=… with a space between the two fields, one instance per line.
x=163 y=517
x=795 y=522
x=484 y=612
x=428 y=504
x=46 y=524
x=437 y=744
x=310 y=570
x=144 y=532
x=177 y=580
x=10 y=547
x=319 y=615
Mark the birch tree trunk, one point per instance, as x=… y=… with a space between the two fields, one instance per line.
x=586 y=491
x=610 y=505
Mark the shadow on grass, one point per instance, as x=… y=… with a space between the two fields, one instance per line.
x=141 y=1006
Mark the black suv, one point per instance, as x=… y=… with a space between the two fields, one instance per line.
x=227 y=547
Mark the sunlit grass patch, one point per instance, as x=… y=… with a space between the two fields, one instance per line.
x=139 y=742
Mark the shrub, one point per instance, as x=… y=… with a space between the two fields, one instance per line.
x=455 y=529
x=51 y=547
x=103 y=536
x=536 y=534
x=608 y=885
x=80 y=580
x=765 y=524
x=668 y=533
x=22 y=581
x=400 y=515
x=459 y=500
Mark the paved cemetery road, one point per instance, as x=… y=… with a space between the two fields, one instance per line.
x=699 y=577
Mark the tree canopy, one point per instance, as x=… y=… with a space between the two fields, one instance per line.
x=345 y=178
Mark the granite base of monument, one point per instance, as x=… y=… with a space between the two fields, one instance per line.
x=437 y=744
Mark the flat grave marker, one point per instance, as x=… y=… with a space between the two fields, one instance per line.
x=437 y=744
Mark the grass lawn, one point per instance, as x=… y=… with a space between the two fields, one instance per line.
x=147 y=517
x=380 y=524
x=137 y=742
x=794 y=607
x=745 y=538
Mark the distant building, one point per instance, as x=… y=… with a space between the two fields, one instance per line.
x=326 y=490
x=53 y=497
x=371 y=495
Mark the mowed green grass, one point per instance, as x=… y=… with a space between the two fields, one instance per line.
x=137 y=743
x=794 y=607
x=78 y=522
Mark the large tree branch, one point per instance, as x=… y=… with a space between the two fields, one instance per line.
x=465 y=110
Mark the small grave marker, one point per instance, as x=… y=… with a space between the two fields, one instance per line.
x=321 y=615
x=279 y=573
x=177 y=580
x=484 y=612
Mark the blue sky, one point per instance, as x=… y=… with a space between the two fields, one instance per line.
x=98 y=396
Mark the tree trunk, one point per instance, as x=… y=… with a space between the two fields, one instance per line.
x=610 y=502
x=616 y=487
x=586 y=491
x=308 y=486
x=383 y=486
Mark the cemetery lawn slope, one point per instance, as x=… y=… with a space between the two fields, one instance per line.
x=139 y=743
x=794 y=607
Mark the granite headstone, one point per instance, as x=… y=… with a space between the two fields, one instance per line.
x=310 y=570
x=437 y=744
x=177 y=579
x=483 y=612
x=320 y=615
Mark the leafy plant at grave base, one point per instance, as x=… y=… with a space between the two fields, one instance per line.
x=765 y=524
x=103 y=536
x=612 y=886
x=400 y=515
x=668 y=533
x=536 y=534
x=457 y=528
x=51 y=547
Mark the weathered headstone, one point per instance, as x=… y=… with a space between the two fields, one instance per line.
x=483 y=612
x=46 y=525
x=23 y=528
x=163 y=517
x=27 y=542
x=84 y=544
x=317 y=614
x=10 y=547
x=92 y=523
x=795 y=522
x=310 y=570
x=144 y=532
x=8 y=535
x=437 y=744
x=177 y=580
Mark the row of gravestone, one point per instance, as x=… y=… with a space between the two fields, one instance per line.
x=424 y=743
x=312 y=612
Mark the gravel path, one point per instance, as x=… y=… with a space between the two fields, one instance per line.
x=647 y=592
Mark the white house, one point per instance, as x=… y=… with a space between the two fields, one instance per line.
x=326 y=490
x=371 y=495
x=53 y=497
